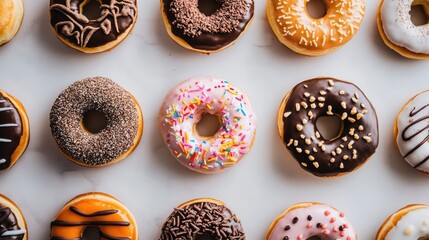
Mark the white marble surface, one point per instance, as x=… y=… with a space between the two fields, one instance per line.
x=36 y=66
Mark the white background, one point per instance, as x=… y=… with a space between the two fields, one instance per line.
x=36 y=67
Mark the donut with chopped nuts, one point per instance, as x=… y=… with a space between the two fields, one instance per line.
x=198 y=26
x=203 y=218
x=114 y=142
x=311 y=220
x=358 y=136
x=301 y=33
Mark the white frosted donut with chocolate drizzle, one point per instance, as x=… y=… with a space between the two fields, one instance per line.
x=112 y=218
x=116 y=20
x=411 y=131
x=183 y=108
x=12 y=222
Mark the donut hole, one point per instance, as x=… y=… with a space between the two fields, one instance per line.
x=204 y=236
x=208 y=125
x=91 y=9
x=418 y=13
x=91 y=233
x=330 y=127
x=423 y=238
x=94 y=121
x=316 y=9
x=208 y=7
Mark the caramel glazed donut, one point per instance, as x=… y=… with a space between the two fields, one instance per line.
x=311 y=220
x=408 y=223
x=117 y=19
x=113 y=143
x=14 y=130
x=399 y=32
x=203 y=218
x=319 y=97
x=12 y=222
x=297 y=30
x=194 y=30
x=11 y=15
x=113 y=220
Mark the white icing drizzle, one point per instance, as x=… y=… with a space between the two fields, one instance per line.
x=9 y=125
x=2 y=161
x=2 y=101
x=5 y=140
x=411 y=226
x=413 y=125
x=5 y=109
x=399 y=29
x=13 y=233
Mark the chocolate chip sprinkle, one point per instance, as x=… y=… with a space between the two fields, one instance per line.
x=287 y=228
x=295 y=220
x=309 y=217
x=103 y=95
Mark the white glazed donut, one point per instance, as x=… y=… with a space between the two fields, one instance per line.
x=408 y=223
x=411 y=131
x=182 y=110
x=399 y=32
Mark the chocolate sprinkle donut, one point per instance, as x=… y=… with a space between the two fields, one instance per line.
x=202 y=220
x=320 y=97
x=95 y=94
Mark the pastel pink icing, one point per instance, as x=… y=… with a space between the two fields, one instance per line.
x=183 y=108
x=314 y=221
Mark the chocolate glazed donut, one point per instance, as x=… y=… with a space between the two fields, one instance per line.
x=319 y=97
x=117 y=17
x=9 y=229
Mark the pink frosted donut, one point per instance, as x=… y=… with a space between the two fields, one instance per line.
x=182 y=110
x=305 y=220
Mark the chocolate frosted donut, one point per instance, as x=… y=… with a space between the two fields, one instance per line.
x=320 y=97
x=12 y=223
x=116 y=20
x=203 y=218
x=194 y=30
x=113 y=143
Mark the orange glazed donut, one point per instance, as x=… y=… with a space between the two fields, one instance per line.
x=296 y=29
x=113 y=220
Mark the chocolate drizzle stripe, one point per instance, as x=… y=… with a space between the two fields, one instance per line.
x=89 y=223
x=412 y=113
x=95 y=214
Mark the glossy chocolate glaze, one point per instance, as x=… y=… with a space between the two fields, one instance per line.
x=10 y=131
x=116 y=17
x=209 y=41
x=8 y=222
x=329 y=157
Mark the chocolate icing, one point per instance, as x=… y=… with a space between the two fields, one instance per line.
x=203 y=37
x=325 y=97
x=10 y=131
x=116 y=17
x=8 y=222
x=202 y=221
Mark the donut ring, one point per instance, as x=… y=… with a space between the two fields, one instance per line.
x=193 y=30
x=298 y=31
x=12 y=222
x=11 y=16
x=203 y=218
x=408 y=223
x=110 y=216
x=311 y=99
x=311 y=219
x=183 y=108
x=117 y=19
x=14 y=130
x=398 y=31
x=115 y=142
x=410 y=131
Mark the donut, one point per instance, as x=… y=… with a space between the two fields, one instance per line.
x=319 y=97
x=301 y=33
x=398 y=31
x=116 y=20
x=410 y=131
x=311 y=220
x=11 y=15
x=94 y=209
x=409 y=223
x=113 y=143
x=12 y=222
x=203 y=218
x=183 y=108
x=197 y=31
x=14 y=130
